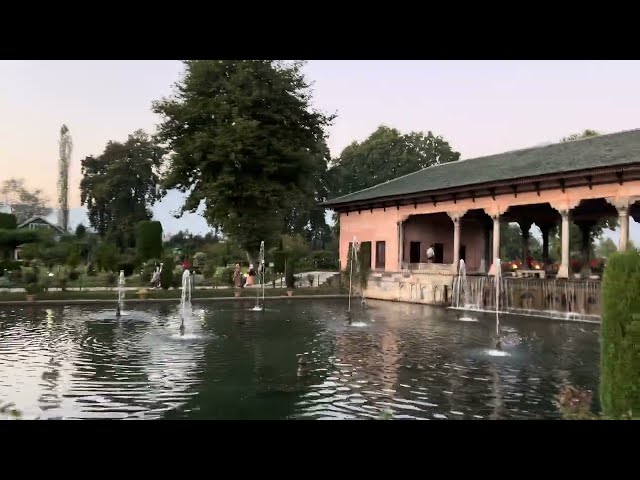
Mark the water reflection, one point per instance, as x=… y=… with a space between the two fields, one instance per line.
x=301 y=359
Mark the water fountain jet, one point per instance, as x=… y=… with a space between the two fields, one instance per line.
x=261 y=273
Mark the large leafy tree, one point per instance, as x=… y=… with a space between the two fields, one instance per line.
x=386 y=154
x=24 y=203
x=246 y=142
x=119 y=185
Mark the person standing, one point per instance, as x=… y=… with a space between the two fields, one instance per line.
x=237 y=276
x=430 y=254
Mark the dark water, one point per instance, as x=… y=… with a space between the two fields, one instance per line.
x=395 y=360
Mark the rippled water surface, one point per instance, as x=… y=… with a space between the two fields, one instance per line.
x=296 y=360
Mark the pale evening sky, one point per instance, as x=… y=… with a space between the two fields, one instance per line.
x=480 y=107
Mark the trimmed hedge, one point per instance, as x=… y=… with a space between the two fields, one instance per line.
x=166 y=276
x=149 y=239
x=620 y=332
x=8 y=221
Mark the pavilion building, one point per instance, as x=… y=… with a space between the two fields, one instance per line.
x=457 y=208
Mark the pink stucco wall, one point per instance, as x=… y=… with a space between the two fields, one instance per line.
x=371 y=227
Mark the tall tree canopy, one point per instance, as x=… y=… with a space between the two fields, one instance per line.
x=578 y=136
x=118 y=186
x=385 y=155
x=24 y=203
x=246 y=142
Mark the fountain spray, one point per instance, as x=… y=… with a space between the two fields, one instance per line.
x=261 y=271
x=498 y=276
x=185 y=297
x=121 y=284
x=354 y=255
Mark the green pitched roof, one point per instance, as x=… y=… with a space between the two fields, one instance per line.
x=616 y=149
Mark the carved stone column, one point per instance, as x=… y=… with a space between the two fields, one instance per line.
x=495 y=243
x=622 y=205
x=563 y=270
x=456 y=219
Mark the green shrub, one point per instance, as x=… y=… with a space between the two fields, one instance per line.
x=15 y=276
x=33 y=288
x=111 y=279
x=73 y=260
x=620 y=337
x=199 y=261
x=107 y=257
x=209 y=270
x=9 y=266
x=289 y=278
x=149 y=239
x=8 y=221
x=81 y=231
x=126 y=264
x=324 y=260
x=225 y=277
x=74 y=275
x=29 y=277
x=166 y=276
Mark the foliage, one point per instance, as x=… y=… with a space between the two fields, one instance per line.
x=620 y=336
x=33 y=288
x=127 y=264
x=386 y=154
x=73 y=260
x=8 y=221
x=226 y=276
x=30 y=277
x=149 y=239
x=166 y=276
x=106 y=257
x=111 y=279
x=23 y=202
x=62 y=282
x=118 y=186
x=8 y=265
x=209 y=270
x=224 y=253
x=606 y=248
x=81 y=231
x=511 y=243
x=246 y=144
x=199 y=260
x=188 y=243
x=578 y=136
x=74 y=275
x=15 y=237
x=290 y=269
x=321 y=260
x=575 y=404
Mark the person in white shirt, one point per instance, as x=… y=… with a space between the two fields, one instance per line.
x=430 y=254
